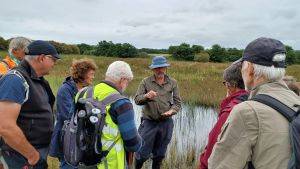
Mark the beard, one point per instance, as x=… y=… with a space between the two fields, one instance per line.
x=160 y=75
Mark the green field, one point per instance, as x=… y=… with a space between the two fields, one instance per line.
x=199 y=83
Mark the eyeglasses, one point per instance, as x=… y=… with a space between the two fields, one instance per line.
x=226 y=83
x=52 y=58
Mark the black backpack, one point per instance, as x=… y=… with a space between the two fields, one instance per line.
x=294 y=125
x=81 y=136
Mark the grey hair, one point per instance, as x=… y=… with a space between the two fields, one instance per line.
x=271 y=73
x=19 y=43
x=118 y=70
x=233 y=75
x=30 y=57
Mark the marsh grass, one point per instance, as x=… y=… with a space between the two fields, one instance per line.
x=199 y=83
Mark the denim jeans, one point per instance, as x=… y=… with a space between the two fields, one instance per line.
x=15 y=160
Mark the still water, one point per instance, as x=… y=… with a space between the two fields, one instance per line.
x=191 y=127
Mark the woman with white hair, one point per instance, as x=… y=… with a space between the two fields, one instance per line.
x=16 y=50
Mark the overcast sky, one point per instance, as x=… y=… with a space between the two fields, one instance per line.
x=153 y=23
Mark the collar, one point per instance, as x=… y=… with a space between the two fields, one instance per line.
x=69 y=80
x=262 y=87
x=14 y=58
x=236 y=94
x=167 y=79
x=111 y=85
x=31 y=72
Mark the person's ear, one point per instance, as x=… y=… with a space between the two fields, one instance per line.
x=250 y=69
x=14 y=52
x=40 y=58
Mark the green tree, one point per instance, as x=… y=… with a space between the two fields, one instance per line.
x=183 y=52
x=104 y=48
x=297 y=53
x=3 y=44
x=172 y=49
x=233 y=54
x=290 y=55
x=217 y=53
x=197 y=48
x=85 y=48
x=128 y=50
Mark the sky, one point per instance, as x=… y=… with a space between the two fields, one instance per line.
x=153 y=23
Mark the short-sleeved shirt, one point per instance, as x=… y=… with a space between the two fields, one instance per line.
x=12 y=89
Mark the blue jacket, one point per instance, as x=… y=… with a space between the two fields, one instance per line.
x=65 y=107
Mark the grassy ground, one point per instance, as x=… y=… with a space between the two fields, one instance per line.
x=199 y=83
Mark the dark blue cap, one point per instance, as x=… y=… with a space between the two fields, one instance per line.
x=159 y=61
x=262 y=50
x=40 y=47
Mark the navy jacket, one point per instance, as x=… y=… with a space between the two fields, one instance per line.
x=65 y=107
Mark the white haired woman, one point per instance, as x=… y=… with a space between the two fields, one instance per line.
x=17 y=49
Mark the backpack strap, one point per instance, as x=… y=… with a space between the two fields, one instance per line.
x=99 y=127
x=280 y=107
x=83 y=91
x=277 y=105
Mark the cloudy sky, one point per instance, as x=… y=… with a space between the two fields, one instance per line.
x=153 y=23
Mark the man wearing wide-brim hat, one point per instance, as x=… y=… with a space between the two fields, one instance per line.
x=255 y=134
x=160 y=98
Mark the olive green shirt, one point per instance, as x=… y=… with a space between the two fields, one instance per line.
x=168 y=97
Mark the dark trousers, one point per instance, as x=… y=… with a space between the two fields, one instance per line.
x=156 y=135
x=15 y=160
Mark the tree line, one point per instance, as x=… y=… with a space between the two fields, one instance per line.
x=184 y=51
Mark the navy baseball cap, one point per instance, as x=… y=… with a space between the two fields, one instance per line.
x=40 y=47
x=261 y=51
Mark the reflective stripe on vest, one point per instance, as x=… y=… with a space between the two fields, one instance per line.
x=116 y=156
x=109 y=130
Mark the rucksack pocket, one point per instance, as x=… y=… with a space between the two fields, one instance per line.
x=72 y=152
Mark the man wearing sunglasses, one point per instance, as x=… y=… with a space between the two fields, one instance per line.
x=26 y=102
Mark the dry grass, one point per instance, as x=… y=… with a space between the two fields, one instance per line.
x=199 y=83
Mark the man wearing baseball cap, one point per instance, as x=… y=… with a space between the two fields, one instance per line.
x=159 y=95
x=26 y=102
x=255 y=134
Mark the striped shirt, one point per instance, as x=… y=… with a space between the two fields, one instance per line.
x=122 y=114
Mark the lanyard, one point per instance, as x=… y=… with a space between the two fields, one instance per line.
x=14 y=58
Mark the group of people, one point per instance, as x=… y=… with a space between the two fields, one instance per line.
x=28 y=134
x=246 y=132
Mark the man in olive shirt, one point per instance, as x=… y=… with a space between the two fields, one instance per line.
x=160 y=98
